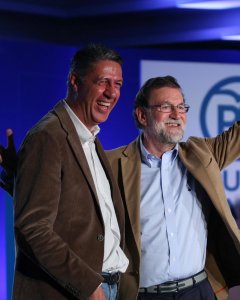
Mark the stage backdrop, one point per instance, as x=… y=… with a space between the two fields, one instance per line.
x=33 y=78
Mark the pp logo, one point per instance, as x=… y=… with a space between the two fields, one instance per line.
x=220 y=109
x=221 y=106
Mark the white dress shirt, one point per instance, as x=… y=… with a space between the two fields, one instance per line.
x=114 y=258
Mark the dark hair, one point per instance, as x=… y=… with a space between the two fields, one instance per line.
x=86 y=57
x=142 y=97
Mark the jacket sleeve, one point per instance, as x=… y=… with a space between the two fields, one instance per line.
x=226 y=146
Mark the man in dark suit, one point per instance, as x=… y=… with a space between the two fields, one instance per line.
x=69 y=217
x=179 y=228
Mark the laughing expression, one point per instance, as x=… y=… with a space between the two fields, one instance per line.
x=98 y=93
x=166 y=127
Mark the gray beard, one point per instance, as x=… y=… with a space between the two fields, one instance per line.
x=165 y=137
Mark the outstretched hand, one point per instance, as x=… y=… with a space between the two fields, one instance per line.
x=8 y=155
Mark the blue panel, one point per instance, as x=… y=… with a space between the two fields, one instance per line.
x=32 y=79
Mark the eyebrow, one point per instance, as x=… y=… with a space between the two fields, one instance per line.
x=167 y=102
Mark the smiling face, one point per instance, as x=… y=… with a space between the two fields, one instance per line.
x=98 y=93
x=163 y=127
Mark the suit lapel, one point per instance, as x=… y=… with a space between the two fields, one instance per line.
x=200 y=166
x=115 y=193
x=131 y=174
x=75 y=144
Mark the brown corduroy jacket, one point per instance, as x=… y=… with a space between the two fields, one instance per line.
x=204 y=159
x=59 y=228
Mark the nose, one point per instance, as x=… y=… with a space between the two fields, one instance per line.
x=110 y=91
x=175 y=114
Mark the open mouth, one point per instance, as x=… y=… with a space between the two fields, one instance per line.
x=104 y=106
x=170 y=124
x=107 y=104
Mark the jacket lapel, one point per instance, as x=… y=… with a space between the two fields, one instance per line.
x=202 y=167
x=131 y=174
x=75 y=144
x=199 y=167
x=115 y=193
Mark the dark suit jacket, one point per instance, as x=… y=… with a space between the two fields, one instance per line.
x=204 y=159
x=59 y=228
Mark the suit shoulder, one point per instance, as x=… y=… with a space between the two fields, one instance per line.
x=48 y=128
x=192 y=140
x=48 y=122
x=116 y=152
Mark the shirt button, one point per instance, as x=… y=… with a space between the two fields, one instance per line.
x=100 y=237
x=169 y=210
x=171 y=233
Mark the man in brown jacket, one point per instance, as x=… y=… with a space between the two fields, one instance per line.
x=180 y=233
x=69 y=217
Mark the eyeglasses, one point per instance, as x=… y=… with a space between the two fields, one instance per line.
x=167 y=107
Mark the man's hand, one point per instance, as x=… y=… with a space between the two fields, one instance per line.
x=97 y=295
x=8 y=156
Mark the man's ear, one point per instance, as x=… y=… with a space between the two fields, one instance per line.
x=74 y=81
x=141 y=116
